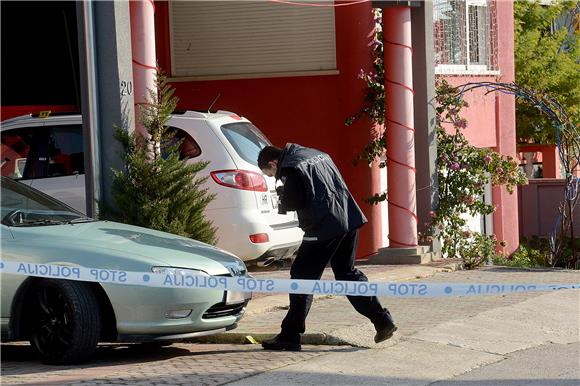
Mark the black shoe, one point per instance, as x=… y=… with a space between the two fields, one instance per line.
x=280 y=343
x=385 y=329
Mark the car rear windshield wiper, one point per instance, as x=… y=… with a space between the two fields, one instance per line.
x=80 y=220
x=43 y=221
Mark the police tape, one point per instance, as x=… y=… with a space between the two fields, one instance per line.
x=197 y=279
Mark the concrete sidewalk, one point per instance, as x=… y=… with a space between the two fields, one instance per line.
x=263 y=303
x=333 y=321
x=471 y=339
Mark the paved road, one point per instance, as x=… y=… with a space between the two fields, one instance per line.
x=443 y=340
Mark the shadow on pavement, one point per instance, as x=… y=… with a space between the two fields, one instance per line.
x=21 y=359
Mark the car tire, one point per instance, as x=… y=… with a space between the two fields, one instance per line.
x=66 y=321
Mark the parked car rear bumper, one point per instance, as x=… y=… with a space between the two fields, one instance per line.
x=235 y=227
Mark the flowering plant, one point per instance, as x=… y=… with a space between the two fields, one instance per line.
x=463 y=170
x=374 y=99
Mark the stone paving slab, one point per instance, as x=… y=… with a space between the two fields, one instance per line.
x=409 y=364
x=179 y=364
x=331 y=321
x=534 y=322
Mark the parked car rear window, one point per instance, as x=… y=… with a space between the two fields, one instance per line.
x=246 y=139
x=188 y=148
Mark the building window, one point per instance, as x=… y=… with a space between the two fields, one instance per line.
x=465 y=36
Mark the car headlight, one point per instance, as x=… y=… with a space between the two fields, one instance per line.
x=236 y=268
x=178 y=271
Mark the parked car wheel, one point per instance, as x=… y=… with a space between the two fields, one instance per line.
x=66 y=321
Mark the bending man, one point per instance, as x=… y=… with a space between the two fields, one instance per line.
x=330 y=219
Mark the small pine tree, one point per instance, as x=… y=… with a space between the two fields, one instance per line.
x=156 y=189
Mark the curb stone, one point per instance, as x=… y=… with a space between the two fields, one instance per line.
x=315 y=338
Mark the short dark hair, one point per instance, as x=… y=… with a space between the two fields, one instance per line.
x=267 y=154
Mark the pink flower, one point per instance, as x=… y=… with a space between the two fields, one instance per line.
x=499 y=170
x=432 y=214
x=467 y=233
x=460 y=123
x=454 y=166
x=469 y=200
x=487 y=159
x=361 y=74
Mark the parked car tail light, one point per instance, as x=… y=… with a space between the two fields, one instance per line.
x=259 y=238
x=240 y=179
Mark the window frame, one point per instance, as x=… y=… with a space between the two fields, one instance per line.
x=182 y=135
x=467 y=68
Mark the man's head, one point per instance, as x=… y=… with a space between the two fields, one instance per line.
x=268 y=160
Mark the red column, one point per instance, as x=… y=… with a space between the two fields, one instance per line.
x=505 y=218
x=143 y=46
x=550 y=161
x=400 y=127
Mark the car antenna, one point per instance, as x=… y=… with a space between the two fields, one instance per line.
x=214 y=101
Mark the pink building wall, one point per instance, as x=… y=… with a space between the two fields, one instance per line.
x=492 y=123
x=539 y=203
x=480 y=114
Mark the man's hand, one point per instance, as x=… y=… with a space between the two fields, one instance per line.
x=281 y=207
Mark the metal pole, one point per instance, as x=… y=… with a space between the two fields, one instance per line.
x=89 y=106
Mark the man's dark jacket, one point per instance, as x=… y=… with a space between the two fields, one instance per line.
x=327 y=208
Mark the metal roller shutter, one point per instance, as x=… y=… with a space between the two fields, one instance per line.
x=220 y=38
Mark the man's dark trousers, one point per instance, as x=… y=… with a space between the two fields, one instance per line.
x=310 y=261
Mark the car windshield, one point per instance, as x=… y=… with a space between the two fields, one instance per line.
x=246 y=139
x=25 y=206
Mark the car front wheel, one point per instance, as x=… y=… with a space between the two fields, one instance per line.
x=66 y=321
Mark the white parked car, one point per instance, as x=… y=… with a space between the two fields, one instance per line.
x=47 y=153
